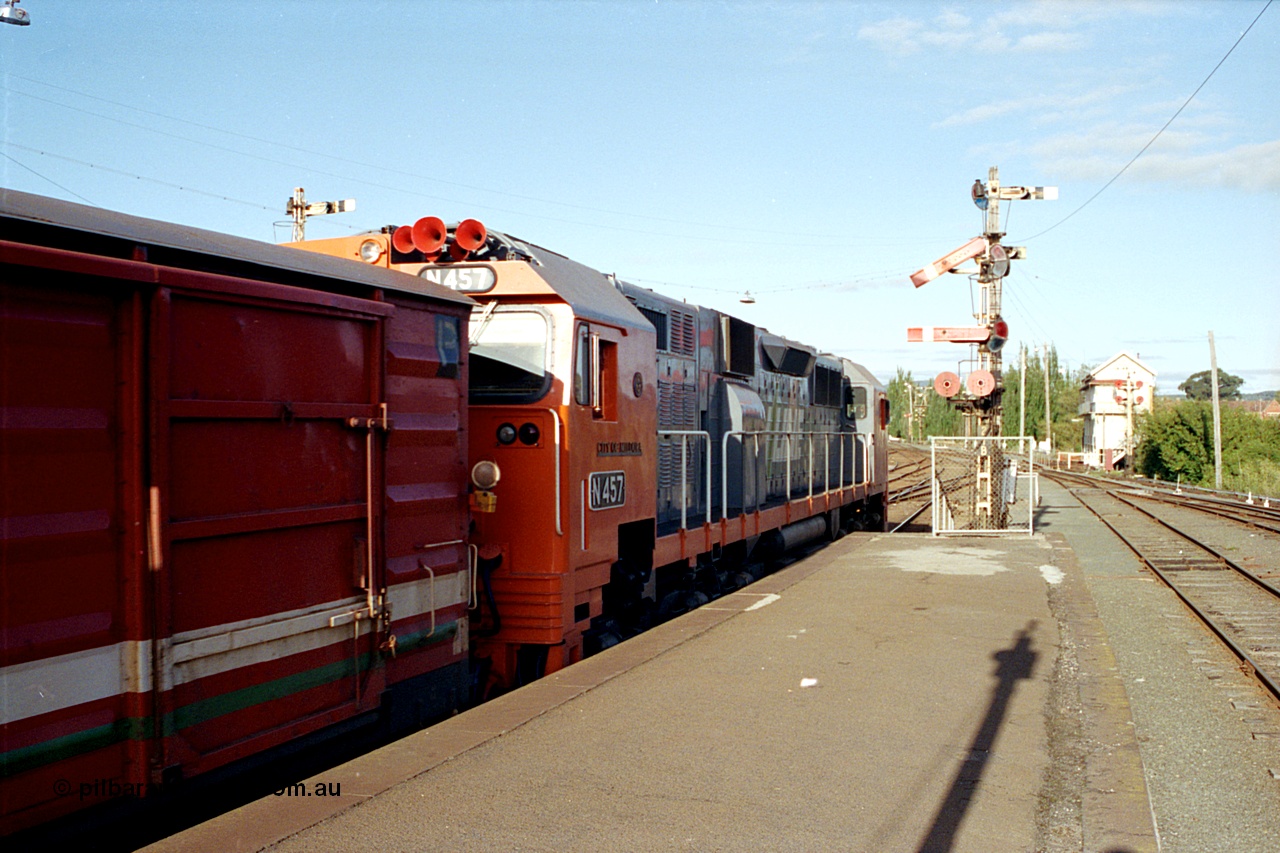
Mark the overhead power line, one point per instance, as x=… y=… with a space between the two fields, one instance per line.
x=102 y=168
x=841 y=238
x=16 y=162
x=1151 y=141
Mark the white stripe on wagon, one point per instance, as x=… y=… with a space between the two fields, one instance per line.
x=40 y=686
x=53 y=684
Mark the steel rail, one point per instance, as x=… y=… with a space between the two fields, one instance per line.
x=1265 y=679
x=1236 y=511
x=1240 y=515
x=913 y=516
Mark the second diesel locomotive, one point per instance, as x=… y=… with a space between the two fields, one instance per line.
x=632 y=455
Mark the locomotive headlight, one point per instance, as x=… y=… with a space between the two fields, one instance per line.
x=506 y=434
x=370 y=251
x=529 y=434
x=485 y=475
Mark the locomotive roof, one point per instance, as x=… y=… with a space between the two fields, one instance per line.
x=859 y=373
x=227 y=251
x=591 y=293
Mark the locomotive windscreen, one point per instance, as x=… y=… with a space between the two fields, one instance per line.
x=508 y=357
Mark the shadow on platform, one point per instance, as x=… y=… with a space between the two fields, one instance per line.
x=1013 y=664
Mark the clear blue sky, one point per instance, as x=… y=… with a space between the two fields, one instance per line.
x=813 y=153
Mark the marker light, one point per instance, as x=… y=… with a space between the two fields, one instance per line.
x=485 y=475
x=506 y=434
x=529 y=434
x=370 y=251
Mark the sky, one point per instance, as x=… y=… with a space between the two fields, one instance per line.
x=812 y=154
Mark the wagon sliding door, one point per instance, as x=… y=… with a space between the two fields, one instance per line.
x=262 y=475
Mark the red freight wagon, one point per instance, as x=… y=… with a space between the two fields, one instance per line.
x=233 y=501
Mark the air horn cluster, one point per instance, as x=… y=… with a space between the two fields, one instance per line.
x=431 y=237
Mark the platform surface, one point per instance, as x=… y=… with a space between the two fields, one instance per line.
x=890 y=692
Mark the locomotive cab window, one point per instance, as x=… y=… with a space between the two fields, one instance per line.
x=595 y=374
x=509 y=354
x=856 y=403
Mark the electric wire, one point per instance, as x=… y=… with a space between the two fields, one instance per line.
x=390 y=187
x=17 y=162
x=352 y=162
x=1151 y=141
x=1027 y=315
x=127 y=175
x=869 y=280
x=843 y=238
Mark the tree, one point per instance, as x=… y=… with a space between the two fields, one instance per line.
x=1177 y=444
x=1199 y=386
x=940 y=417
x=1064 y=398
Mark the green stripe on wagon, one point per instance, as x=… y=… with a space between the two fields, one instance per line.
x=26 y=758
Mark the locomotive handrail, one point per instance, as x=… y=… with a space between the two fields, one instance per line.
x=755 y=435
x=473 y=565
x=422 y=564
x=684 y=474
x=555 y=417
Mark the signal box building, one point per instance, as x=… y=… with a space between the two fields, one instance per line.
x=1112 y=397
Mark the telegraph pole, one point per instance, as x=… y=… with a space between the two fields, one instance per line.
x=1022 y=389
x=1048 y=409
x=1217 y=416
x=911 y=411
x=298 y=209
x=1129 y=390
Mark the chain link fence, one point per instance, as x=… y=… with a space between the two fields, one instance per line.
x=983 y=485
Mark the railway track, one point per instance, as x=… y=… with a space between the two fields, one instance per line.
x=1239 y=605
x=908 y=485
x=1255 y=515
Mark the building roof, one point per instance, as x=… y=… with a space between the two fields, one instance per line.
x=1090 y=380
x=1132 y=357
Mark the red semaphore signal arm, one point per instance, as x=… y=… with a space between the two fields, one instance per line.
x=950 y=261
x=954 y=334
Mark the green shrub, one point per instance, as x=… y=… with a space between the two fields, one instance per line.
x=1177 y=443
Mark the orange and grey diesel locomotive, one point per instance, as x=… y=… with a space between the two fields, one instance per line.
x=235 y=498
x=233 y=503
x=632 y=455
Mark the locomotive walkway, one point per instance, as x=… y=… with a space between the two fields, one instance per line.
x=886 y=693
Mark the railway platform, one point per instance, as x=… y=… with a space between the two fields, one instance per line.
x=889 y=692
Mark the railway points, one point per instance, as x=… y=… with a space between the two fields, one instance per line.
x=1034 y=693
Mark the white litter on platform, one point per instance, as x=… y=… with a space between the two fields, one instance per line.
x=768 y=599
x=1052 y=574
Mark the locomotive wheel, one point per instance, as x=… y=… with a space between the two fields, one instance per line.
x=672 y=605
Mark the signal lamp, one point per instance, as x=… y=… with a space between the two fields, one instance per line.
x=11 y=14
x=506 y=434
x=529 y=434
x=999 y=335
x=485 y=475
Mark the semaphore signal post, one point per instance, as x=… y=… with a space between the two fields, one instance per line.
x=985 y=385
